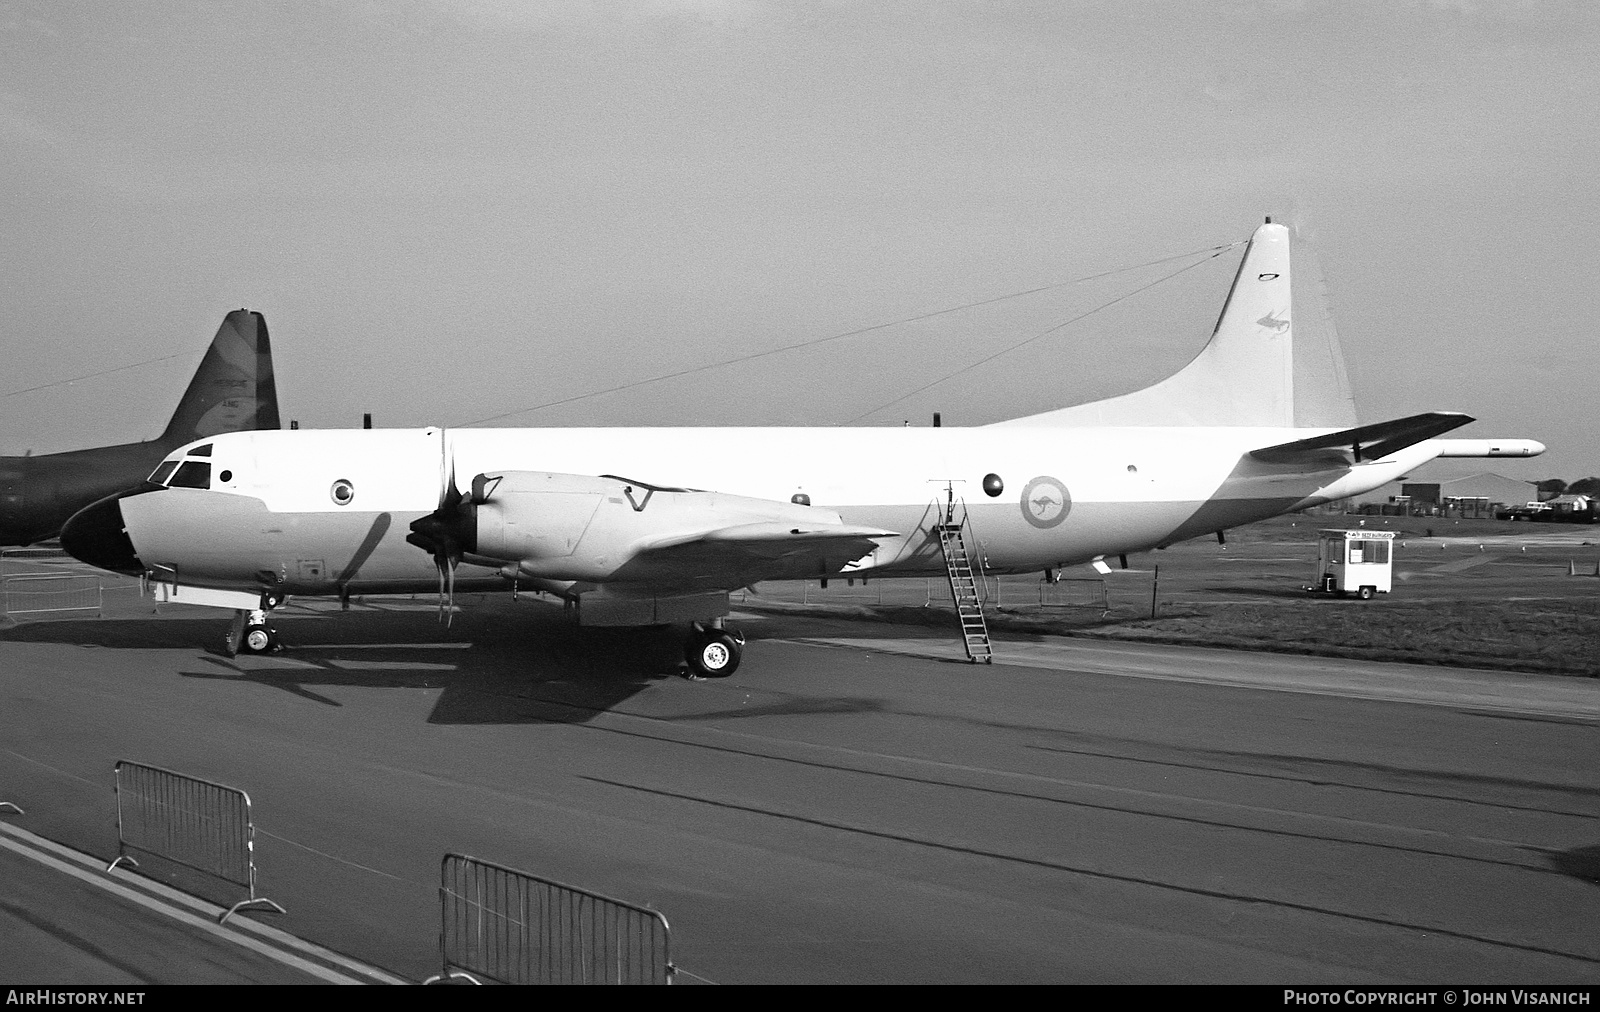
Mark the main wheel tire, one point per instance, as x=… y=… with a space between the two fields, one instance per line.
x=714 y=654
x=258 y=639
x=1367 y=592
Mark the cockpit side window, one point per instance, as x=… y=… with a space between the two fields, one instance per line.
x=203 y=450
x=192 y=474
x=159 y=475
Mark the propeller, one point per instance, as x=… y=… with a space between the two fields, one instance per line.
x=450 y=531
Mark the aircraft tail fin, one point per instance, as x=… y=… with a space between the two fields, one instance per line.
x=233 y=389
x=1245 y=375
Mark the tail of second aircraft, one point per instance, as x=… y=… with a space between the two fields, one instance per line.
x=1247 y=374
x=233 y=389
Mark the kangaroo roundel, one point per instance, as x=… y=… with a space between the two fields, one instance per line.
x=1045 y=501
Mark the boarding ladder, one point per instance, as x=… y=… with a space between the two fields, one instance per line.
x=953 y=535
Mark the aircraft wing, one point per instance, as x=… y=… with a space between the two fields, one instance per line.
x=608 y=530
x=742 y=554
x=1364 y=442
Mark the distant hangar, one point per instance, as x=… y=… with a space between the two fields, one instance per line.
x=1470 y=495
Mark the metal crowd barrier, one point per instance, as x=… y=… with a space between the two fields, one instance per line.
x=30 y=554
x=1075 y=592
x=197 y=823
x=35 y=593
x=515 y=928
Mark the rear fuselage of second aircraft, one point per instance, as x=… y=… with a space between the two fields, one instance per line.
x=316 y=511
x=38 y=494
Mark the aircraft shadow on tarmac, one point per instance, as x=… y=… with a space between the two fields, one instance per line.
x=1579 y=862
x=489 y=670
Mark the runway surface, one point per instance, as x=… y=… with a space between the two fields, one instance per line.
x=853 y=805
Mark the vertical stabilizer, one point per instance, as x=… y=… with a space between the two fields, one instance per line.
x=1322 y=396
x=1245 y=374
x=233 y=389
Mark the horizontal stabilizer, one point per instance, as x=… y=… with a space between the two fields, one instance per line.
x=1364 y=442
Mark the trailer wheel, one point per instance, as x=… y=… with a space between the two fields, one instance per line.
x=1367 y=592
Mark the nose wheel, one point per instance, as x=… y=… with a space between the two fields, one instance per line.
x=713 y=652
x=250 y=634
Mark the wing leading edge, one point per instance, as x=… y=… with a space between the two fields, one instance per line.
x=743 y=554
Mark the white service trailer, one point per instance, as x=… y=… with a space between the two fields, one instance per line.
x=1359 y=562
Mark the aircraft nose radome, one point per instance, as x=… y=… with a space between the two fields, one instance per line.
x=95 y=535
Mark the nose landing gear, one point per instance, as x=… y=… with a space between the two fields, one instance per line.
x=713 y=652
x=250 y=633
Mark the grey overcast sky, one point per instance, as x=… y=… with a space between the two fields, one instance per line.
x=454 y=210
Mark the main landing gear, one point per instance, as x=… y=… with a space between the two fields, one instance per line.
x=250 y=633
x=712 y=651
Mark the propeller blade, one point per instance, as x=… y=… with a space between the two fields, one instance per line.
x=439 y=564
x=450 y=529
x=450 y=611
x=446 y=465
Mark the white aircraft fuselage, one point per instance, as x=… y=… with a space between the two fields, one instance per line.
x=1126 y=490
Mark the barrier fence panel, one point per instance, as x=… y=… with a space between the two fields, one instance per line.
x=32 y=554
x=37 y=593
x=197 y=823
x=517 y=928
x=1074 y=592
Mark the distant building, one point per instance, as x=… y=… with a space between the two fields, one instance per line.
x=1473 y=495
x=1572 y=503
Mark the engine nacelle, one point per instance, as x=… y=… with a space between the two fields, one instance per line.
x=584 y=527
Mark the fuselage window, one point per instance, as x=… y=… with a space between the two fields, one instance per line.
x=199 y=451
x=160 y=474
x=192 y=474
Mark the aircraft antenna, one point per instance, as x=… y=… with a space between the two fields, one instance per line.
x=93 y=375
x=1045 y=333
x=1214 y=250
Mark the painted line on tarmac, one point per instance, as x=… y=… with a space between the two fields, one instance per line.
x=334 y=857
x=1378 y=681
x=52 y=769
x=139 y=890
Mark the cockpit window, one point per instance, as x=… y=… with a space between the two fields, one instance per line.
x=199 y=451
x=159 y=475
x=192 y=474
